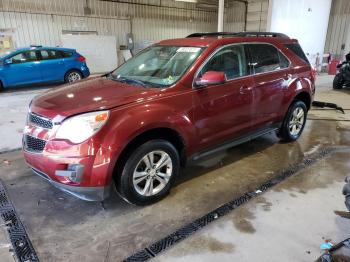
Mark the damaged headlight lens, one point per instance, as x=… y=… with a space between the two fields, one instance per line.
x=81 y=127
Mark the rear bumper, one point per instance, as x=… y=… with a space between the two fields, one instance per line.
x=84 y=193
x=85 y=70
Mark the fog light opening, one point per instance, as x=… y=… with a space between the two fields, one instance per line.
x=74 y=172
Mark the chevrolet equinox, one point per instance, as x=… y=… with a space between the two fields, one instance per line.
x=179 y=99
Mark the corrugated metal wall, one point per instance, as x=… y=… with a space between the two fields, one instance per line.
x=28 y=28
x=42 y=21
x=234 y=19
x=257 y=15
x=338 y=35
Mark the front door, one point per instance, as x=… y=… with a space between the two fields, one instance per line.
x=224 y=111
x=23 y=70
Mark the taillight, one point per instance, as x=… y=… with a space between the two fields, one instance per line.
x=80 y=59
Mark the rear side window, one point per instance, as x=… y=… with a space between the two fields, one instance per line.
x=231 y=60
x=266 y=58
x=50 y=54
x=296 y=49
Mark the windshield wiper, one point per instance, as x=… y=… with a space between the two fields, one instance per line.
x=124 y=79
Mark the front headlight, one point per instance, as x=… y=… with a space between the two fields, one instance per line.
x=81 y=127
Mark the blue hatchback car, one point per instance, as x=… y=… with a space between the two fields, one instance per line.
x=37 y=64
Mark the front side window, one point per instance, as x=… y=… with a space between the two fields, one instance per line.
x=157 y=66
x=24 y=57
x=231 y=60
x=266 y=58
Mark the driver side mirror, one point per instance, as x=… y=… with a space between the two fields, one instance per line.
x=211 y=78
x=8 y=61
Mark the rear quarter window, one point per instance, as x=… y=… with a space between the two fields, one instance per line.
x=296 y=49
x=66 y=54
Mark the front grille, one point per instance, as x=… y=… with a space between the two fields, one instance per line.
x=34 y=144
x=40 y=121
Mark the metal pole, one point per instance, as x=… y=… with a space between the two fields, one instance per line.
x=221 y=16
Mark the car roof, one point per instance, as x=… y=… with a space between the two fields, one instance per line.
x=43 y=48
x=218 y=38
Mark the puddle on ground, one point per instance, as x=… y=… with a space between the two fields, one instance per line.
x=203 y=243
x=332 y=169
x=266 y=205
x=241 y=220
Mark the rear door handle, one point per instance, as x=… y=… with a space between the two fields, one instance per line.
x=245 y=89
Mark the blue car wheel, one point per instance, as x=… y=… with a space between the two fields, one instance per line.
x=73 y=76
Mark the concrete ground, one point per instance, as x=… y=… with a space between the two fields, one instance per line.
x=287 y=223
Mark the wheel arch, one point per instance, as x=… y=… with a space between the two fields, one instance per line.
x=165 y=133
x=304 y=97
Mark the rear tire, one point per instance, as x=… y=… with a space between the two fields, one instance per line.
x=149 y=172
x=1 y=87
x=294 y=122
x=338 y=82
x=73 y=76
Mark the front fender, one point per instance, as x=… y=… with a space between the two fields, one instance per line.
x=126 y=124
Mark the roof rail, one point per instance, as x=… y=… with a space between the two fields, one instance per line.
x=264 y=34
x=239 y=34
x=210 y=34
x=36 y=46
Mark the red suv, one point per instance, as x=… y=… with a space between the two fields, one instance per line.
x=183 y=98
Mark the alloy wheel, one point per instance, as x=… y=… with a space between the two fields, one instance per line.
x=152 y=173
x=296 y=122
x=74 y=76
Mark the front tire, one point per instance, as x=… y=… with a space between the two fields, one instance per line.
x=149 y=172
x=338 y=82
x=294 y=122
x=73 y=76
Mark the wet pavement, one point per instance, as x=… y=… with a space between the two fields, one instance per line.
x=63 y=228
x=280 y=225
x=287 y=223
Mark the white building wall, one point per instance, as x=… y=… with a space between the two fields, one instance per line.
x=307 y=22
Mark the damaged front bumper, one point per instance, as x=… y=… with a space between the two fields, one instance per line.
x=84 y=193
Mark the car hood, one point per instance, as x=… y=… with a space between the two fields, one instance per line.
x=89 y=95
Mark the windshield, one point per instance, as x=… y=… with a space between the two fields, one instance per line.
x=157 y=66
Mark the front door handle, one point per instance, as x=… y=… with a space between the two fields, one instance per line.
x=287 y=76
x=245 y=89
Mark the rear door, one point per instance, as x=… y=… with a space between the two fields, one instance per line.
x=51 y=65
x=224 y=111
x=24 y=69
x=271 y=75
